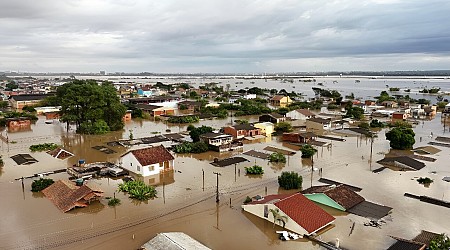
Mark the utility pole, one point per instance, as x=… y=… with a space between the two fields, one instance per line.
x=217 y=186
x=235 y=172
x=203 y=172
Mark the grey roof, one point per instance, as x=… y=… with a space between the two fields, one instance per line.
x=319 y=120
x=22 y=159
x=370 y=210
x=214 y=135
x=147 y=107
x=403 y=244
x=404 y=161
x=29 y=97
x=173 y=241
x=244 y=127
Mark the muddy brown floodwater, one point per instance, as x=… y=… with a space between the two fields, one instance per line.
x=31 y=221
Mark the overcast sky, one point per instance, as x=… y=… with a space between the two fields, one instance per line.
x=223 y=35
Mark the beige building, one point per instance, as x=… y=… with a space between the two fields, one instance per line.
x=280 y=100
x=266 y=128
x=318 y=125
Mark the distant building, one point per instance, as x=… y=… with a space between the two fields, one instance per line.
x=173 y=241
x=267 y=128
x=17 y=102
x=300 y=114
x=304 y=137
x=280 y=100
x=273 y=118
x=318 y=125
x=242 y=130
x=220 y=142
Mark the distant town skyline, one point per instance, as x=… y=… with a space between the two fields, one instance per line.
x=224 y=36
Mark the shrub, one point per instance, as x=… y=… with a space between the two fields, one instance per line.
x=254 y=170
x=247 y=200
x=364 y=125
x=290 y=180
x=424 y=180
x=183 y=119
x=114 y=202
x=41 y=184
x=43 y=147
x=277 y=157
x=138 y=190
x=190 y=147
x=376 y=124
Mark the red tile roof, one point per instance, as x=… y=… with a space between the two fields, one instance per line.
x=152 y=155
x=304 y=212
x=277 y=97
x=65 y=195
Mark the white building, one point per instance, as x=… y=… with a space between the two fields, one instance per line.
x=148 y=161
x=300 y=114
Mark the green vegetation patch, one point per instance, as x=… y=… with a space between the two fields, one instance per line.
x=43 y=147
x=277 y=157
x=138 y=190
x=41 y=184
x=191 y=147
x=254 y=170
x=290 y=180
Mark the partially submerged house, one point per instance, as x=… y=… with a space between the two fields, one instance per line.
x=318 y=125
x=303 y=137
x=148 y=161
x=280 y=100
x=273 y=118
x=23 y=159
x=60 y=153
x=220 y=142
x=339 y=197
x=402 y=162
x=303 y=216
x=300 y=114
x=242 y=130
x=66 y=195
x=266 y=128
x=173 y=241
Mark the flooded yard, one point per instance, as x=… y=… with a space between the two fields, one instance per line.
x=185 y=204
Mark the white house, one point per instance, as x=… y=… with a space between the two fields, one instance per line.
x=297 y=212
x=300 y=114
x=148 y=161
x=216 y=139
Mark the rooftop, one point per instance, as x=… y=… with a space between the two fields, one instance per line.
x=151 y=155
x=341 y=194
x=173 y=241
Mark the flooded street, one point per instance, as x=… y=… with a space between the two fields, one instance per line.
x=31 y=221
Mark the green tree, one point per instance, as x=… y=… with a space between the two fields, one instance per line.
x=11 y=86
x=254 y=170
x=90 y=106
x=354 y=112
x=401 y=138
x=4 y=104
x=196 y=132
x=308 y=151
x=138 y=190
x=442 y=242
x=30 y=109
x=41 y=184
x=376 y=124
x=290 y=180
x=277 y=157
x=283 y=127
x=364 y=125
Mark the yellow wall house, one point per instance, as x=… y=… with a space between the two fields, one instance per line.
x=280 y=100
x=266 y=128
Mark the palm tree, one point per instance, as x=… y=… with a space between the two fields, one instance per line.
x=277 y=217
x=372 y=136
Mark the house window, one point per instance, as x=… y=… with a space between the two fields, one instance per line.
x=266 y=211
x=138 y=168
x=151 y=168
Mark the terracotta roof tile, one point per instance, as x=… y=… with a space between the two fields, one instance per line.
x=304 y=212
x=65 y=195
x=152 y=155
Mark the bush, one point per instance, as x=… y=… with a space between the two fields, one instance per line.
x=94 y=128
x=290 y=180
x=441 y=242
x=364 y=125
x=43 y=147
x=308 y=151
x=138 y=190
x=247 y=200
x=425 y=180
x=254 y=170
x=277 y=157
x=196 y=132
x=183 y=119
x=114 y=202
x=190 y=147
x=41 y=184
x=376 y=124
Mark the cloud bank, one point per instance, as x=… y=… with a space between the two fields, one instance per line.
x=223 y=35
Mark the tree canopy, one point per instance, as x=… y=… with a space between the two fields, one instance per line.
x=196 y=132
x=94 y=108
x=308 y=151
x=290 y=180
x=401 y=137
